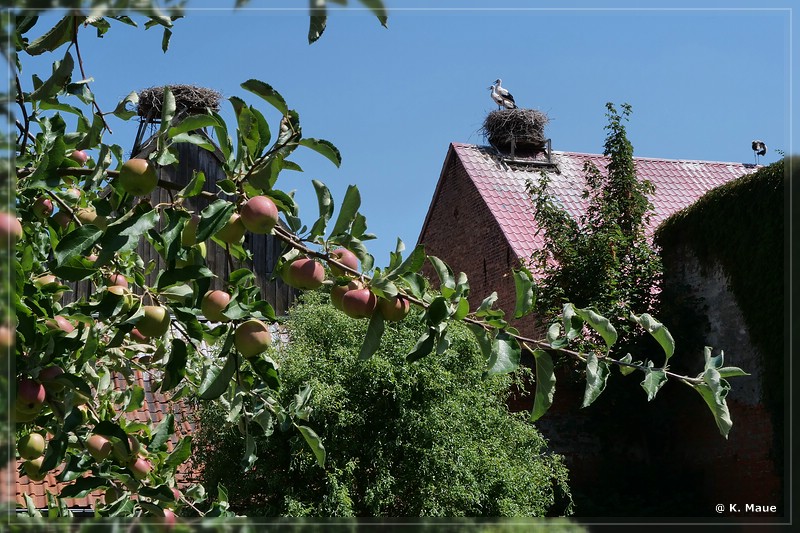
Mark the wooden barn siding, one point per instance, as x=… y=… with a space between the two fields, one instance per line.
x=265 y=248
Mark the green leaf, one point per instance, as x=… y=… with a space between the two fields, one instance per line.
x=122 y=111
x=412 y=263
x=216 y=379
x=163 y=432
x=378 y=9
x=192 y=123
x=265 y=91
x=175 y=369
x=267 y=371
x=658 y=331
x=600 y=324
x=165 y=38
x=62 y=70
x=573 y=324
x=182 y=451
x=126 y=233
x=545 y=384
x=445 y=275
x=714 y=390
x=372 y=340
x=168 y=108
x=731 y=371
x=325 y=202
x=250 y=452
x=59 y=34
x=76 y=242
x=55 y=451
x=596 y=375
x=462 y=309
x=423 y=347
x=110 y=429
x=82 y=487
x=383 y=288
x=486 y=305
x=653 y=381
x=505 y=356
x=195 y=185
x=438 y=311
x=315 y=443
x=213 y=218
x=526 y=297
x=323 y=147
x=348 y=211
x=94 y=135
x=316 y=25
x=624 y=369
x=483 y=338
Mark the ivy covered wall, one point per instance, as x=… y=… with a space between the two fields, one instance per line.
x=735 y=301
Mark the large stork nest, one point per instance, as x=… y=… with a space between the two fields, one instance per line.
x=525 y=127
x=188 y=100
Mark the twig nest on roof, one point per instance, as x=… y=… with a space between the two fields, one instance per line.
x=524 y=126
x=188 y=100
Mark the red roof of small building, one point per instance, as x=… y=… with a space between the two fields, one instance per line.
x=503 y=186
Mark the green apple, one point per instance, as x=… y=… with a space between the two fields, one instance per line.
x=138 y=177
x=31 y=446
x=155 y=321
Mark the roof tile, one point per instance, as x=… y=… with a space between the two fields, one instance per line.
x=504 y=188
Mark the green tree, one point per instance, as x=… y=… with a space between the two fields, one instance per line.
x=603 y=258
x=429 y=439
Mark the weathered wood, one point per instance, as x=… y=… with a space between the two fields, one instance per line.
x=265 y=248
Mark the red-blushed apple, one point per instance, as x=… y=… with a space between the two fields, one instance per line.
x=345 y=257
x=48 y=281
x=63 y=219
x=33 y=469
x=31 y=446
x=7 y=338
x=233 y=230
x=259 y=214
x=304 y=273
x=169 y=518
x=137 y=336
x=252 y=338
x=60 y=322
x=116 y=280
x=48 y=376
x=99 y=447
x=72 y=195
x=43 y=207
x=189 y=233
x=213 y=303
x=10 y=230
x=339 y=290
x=79 y=156
x=395 y=308
x=30 y=396
x=359 y=303
x=177 y=494
x=155 y=321
x=140 y=467
x=138 y=177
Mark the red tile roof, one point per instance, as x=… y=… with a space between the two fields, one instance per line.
x=503 y=186
x=154 y=408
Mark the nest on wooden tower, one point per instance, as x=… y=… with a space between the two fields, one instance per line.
x=189 y=100
x=525 y=127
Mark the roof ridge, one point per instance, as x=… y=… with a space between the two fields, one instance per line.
x=636 y=157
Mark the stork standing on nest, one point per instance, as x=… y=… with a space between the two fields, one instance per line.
x=759 y=148
x=501 y=96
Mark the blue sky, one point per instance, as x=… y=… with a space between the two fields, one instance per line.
x=703 y=84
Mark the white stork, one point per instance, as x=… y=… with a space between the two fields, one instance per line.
x=759 y=148
x=501 y=96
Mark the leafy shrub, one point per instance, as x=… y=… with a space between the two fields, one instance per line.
x=430 y=438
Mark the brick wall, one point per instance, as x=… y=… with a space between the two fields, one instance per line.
x=463 y=233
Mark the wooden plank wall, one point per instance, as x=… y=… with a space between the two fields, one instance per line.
x=265 y=248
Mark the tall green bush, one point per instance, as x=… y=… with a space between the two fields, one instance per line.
x=429 y=438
